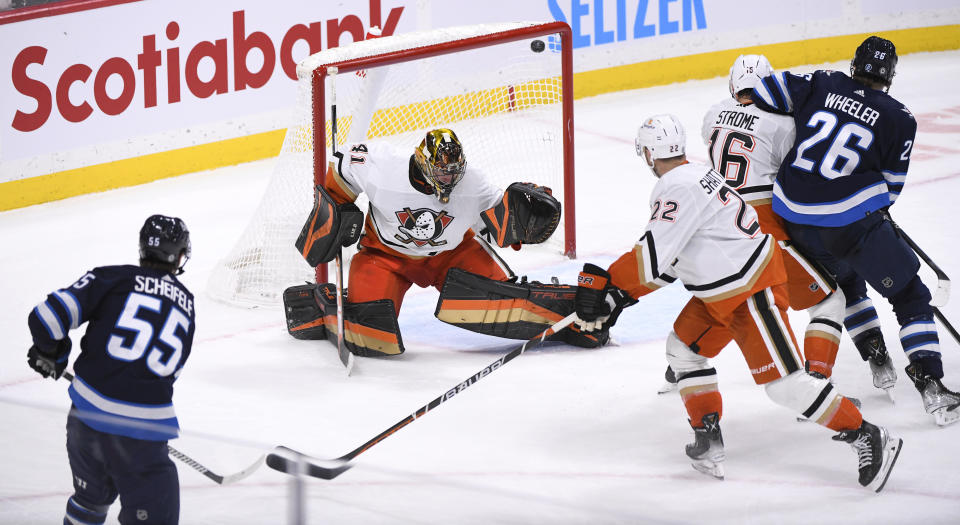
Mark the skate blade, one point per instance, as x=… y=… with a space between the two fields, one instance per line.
x=891 y=451
x=945 y=417
x=710 y=468
x=889 y=392
x=667 y=388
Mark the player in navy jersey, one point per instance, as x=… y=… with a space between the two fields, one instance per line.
x=848 y=165
x=140 y=326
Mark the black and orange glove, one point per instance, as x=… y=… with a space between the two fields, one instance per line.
x=593 y=302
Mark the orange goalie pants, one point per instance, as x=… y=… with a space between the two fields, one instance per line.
x=375 y=274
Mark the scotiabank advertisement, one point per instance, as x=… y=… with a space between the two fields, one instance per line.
x=124 y=80
x=172 y=73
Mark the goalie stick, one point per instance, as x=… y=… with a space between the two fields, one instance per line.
x=346 y=356
x=288 y=460
x=217 y=478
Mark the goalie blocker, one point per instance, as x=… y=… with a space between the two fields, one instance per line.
x=329 y=227
x=369 y=329
x=515 y=310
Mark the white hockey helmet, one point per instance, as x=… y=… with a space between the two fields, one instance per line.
x=746 y=72
x=663 y=136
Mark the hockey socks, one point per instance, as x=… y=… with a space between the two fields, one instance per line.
x=700 y=394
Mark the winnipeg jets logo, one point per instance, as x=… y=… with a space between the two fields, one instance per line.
x=422 y=226
x=860 y=92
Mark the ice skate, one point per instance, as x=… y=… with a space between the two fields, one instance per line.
x=707 y=449
x=669 y=382
x=874 y=350
x=938 y=400
x=877 y=452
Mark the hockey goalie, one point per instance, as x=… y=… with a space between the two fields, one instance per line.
x=420 y=230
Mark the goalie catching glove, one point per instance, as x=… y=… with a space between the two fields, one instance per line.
x=598 y=302
x=329 y=227
x=527 y=214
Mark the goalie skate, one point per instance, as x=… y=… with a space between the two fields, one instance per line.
x=877 y=453
x=706 y=451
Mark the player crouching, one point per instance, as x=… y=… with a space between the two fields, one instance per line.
x=419 y=230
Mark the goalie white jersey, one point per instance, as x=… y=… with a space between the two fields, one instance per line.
x=747 y=145
x=701 y=232
x=400 y=217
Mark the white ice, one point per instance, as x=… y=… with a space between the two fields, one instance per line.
x=559 y=435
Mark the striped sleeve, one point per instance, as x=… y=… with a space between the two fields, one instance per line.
x=54 y=317
x=67 y=308
x=781 y=92
x=898 y=157
x=338 y=186
x=630 y=272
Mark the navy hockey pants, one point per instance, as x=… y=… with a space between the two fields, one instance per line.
x=106 y=465
x=869 y=250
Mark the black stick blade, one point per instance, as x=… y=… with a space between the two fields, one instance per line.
x=288 y=461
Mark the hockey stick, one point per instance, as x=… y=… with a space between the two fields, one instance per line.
x=942 y=293
x=217 y=478
x=288 y=460
x=946 y=324
x=346 y=356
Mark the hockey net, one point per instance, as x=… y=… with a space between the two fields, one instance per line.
x=505 y=89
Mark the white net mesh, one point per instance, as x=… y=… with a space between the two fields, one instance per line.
x=502 y=100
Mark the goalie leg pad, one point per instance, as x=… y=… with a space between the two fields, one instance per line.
x=510 y=309
x=303 y=313
x=370 y=328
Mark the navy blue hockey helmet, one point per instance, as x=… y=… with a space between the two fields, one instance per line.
x=164 y=240
x=875 y=59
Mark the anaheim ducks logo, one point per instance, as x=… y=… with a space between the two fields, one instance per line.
x=422 y=226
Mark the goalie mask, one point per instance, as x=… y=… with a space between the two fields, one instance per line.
x=441 y=161
x=662 y=137
x=746 y=72
x=875 y=59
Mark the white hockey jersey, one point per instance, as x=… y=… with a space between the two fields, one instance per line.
x=746 y=145
x=703 y=233
x=400 y=217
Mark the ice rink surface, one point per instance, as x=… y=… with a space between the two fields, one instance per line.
x=559 y=435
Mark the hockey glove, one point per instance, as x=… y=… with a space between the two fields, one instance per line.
x=50 y=362
x=593 y=303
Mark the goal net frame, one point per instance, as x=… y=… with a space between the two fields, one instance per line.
x=320 y=73
x=510 y=97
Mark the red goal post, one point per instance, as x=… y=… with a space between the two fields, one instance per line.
x=505 y=88
x=320 y=73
